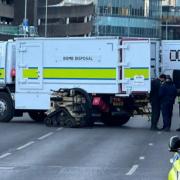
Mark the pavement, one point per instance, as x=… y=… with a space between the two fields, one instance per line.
x=32 y=151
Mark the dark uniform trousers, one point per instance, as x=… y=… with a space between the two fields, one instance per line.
x=167 y=109
x=155 y=114
x=168 y=94
x=155 y=102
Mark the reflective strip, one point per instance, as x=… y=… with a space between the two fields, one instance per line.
x=130 y=73
x=80 y=73
x=2 y=73
x=31 y=73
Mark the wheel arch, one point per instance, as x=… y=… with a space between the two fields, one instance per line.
x=7 y=90
x=7 y=106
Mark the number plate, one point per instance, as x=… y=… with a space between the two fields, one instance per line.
x=117 y=101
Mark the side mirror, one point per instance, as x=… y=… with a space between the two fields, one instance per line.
x=174 y=144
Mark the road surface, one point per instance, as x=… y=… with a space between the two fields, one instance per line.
x=31 y=151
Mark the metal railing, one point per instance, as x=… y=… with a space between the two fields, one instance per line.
x=17 y=30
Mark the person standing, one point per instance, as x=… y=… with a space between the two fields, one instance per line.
x=167 y=95
x=155 y=100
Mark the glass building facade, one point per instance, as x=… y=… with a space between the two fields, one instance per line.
x=132 y=18
x=170 y=22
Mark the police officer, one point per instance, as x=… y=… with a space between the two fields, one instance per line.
x=167 y=95
x=155 y=100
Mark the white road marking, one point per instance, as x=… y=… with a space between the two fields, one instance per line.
x=151 y=144
x=141 y=157
x=25 y=145
x=45 y=136
x=159 y=132
x=7 y=168
x=4 y=155
x=132 y=170
x=59 y=129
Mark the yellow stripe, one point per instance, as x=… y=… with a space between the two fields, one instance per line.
x=2 y=73
x=50 y=73
x=131 y=72
x=30 y=73
x=177 y=165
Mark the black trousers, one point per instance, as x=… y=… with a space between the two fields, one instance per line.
x=155 y=114
x=167 y=109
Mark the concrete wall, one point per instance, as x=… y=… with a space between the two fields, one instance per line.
x=73 y=29
x=66 y=11
x=71 y=20
x=6 y=11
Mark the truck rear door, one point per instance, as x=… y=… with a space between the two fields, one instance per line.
x=155 y=57
x=29 y=65
x=136 y=66
x=2 y=62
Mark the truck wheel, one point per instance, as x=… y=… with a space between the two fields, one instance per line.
x=116 y=120
x=6 y=107
x=37 y=116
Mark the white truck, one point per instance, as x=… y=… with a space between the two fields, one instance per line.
x=170 y=63
x=67 y=80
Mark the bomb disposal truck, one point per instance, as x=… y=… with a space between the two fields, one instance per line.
x=68 y=81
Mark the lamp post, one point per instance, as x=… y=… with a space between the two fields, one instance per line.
x=25 y=21
x=25 y=10
x=166 y=30
x=46 y=18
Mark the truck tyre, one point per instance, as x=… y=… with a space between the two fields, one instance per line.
x=6 y=107
x=116 y=120
x=37 y=116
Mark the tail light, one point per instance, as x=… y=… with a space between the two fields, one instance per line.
x=13 y=73
x=98 y=102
